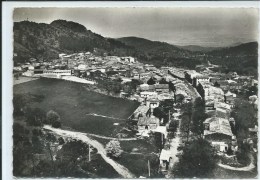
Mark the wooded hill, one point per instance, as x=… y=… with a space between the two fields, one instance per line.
x=46 y=41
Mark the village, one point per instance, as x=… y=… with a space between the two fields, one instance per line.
x=161 y=92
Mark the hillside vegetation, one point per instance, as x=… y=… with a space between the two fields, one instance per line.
x=242 y=58
x=46 y=41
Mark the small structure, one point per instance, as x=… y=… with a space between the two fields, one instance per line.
x=165 y=158
x=230 y=98
x=147 y=94
x=201 y=78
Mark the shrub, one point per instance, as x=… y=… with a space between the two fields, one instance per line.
x=56 y=124
x=52 y=116
x=113 y=149
x=61 y=141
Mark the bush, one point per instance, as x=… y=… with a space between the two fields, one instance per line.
x=56 y=124
x=113 y=149
x=61 y=141
x=51 y=117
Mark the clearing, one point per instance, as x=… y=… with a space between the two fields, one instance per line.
x=73 y=102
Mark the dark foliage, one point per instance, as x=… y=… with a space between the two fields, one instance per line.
x=198 y=160
x=242 y=59
x=245 y=117
x=151 y=81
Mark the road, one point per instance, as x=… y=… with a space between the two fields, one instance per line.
x=174 y=144
x=250 y=167
x=123 y=171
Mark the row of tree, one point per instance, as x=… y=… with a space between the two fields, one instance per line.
x=193 y=116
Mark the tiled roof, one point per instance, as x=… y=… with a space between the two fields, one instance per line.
x=161 y=86
x=142 y=109
x=148 y=120
x=218 y=125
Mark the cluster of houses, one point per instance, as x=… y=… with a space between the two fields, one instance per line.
x=219 y=94
x=76 y=64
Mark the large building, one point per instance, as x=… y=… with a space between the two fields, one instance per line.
x=218 y=132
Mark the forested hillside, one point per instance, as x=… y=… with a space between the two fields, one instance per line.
x=46 y=41
x=242 y=58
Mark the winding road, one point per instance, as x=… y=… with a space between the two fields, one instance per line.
x=250 y=167
x=123 y=171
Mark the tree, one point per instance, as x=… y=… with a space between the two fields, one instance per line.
x=216 y=84
x=113 y=149
x=179 y=98
x=198 y=116
x=159 y=113
x=172 y=87
x=245 y=117
x=173 y=126
x=20 y=102
x=61 y=140
x=201 y=90
x=186 y=119
x=56 y=124
x=67 y=159
x=52 y=116
x=253 y=90
x=35 y=116
x=197 y=160
x=151 y=81
x=163 y=81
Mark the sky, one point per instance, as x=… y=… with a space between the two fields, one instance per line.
x=210 y=27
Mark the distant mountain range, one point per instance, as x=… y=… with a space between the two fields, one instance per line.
x=46 y=41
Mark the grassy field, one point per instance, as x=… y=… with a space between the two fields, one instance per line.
x=73 y=102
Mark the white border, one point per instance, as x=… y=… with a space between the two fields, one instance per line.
x=7 y=54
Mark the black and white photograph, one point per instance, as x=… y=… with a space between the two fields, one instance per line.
x=135 y=92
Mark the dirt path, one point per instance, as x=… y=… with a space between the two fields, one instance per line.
x=175 y=142
x=123 y=171
x=250 y=167
x=111 y=138
x=99 y=115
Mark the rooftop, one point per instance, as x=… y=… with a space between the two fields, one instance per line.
x=218 y=125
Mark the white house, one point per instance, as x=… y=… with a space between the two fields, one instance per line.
x=128 y=59
x=202 y=79
x=147 y=94
x=62 y=55
x=82 y=67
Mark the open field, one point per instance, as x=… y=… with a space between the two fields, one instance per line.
x=74 y=104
